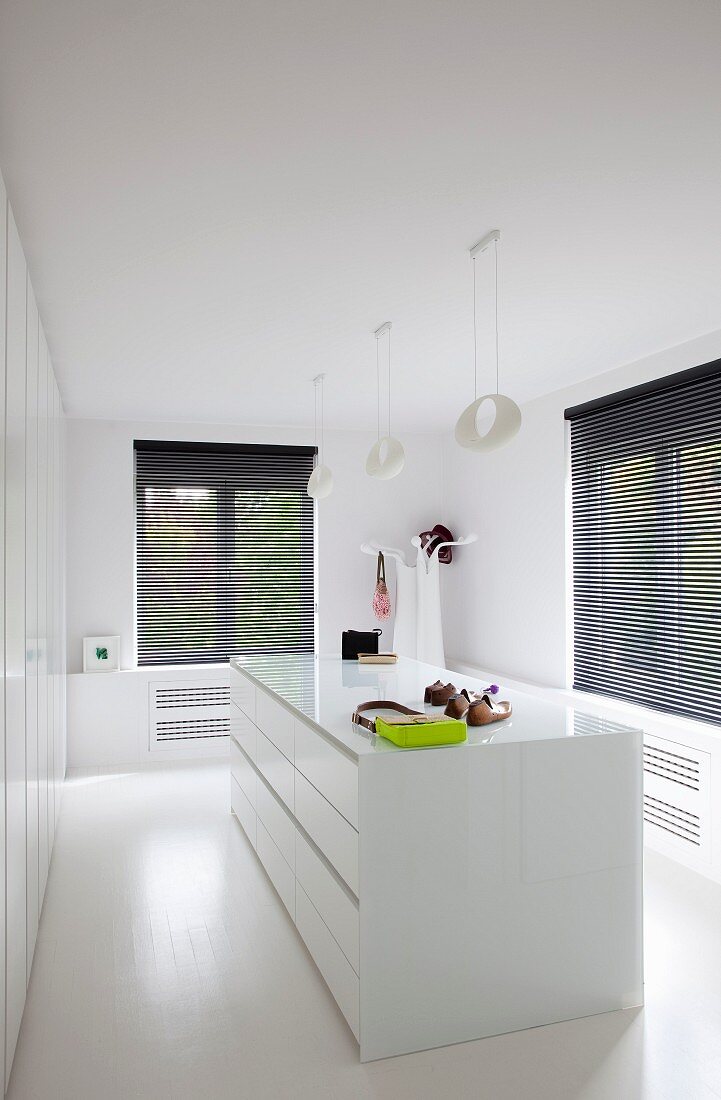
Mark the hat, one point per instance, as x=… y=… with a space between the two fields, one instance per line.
x=430 y=539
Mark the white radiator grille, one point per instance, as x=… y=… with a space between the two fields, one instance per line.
x=672 y=819
x=188 y=711
x=676 y=796
x=676 y=766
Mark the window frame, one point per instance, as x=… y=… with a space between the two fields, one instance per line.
x=646 y=428
x=188 y=447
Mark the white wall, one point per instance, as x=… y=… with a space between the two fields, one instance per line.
x=108 y=716
x=506 y=598
x=32 y=703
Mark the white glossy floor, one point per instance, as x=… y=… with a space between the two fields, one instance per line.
x=166 y=968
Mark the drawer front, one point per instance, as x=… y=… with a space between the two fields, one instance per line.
x=339 y=975
x=279 y=772
x=330 y=771
x=277 y=822
x=337 y=909
x=276 y=723
x=243 y=730
x=242 y=693
x=334 y=836
x=243 y=810
x=243 y=773
x=278 y=870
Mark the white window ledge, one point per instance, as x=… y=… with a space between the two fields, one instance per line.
x=672 y=726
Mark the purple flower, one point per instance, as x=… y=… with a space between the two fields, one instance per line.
x=493 y=689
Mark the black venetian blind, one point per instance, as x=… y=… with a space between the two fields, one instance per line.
x=646 y=487
x=224 y=551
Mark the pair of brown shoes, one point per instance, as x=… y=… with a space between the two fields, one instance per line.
x=438 y=694
x=478 y=710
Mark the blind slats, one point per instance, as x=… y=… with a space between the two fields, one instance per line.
x=225 y=551
x=646 y=498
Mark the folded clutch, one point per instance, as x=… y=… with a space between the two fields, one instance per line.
x=377 y=658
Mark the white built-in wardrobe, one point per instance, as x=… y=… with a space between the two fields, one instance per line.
x=32 y=707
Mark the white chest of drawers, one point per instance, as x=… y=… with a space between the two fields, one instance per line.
x=433 y=888
x=294 y=792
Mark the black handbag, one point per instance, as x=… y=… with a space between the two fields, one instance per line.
x=354 y=642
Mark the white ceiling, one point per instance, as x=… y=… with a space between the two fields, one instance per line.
x=219 y=199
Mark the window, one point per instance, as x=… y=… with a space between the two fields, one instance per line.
x=646 y=492
x=224 y=551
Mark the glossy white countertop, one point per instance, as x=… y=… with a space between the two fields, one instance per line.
x=325 y=690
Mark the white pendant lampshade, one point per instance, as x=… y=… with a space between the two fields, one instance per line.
x=507 y=416
x=320 y=482
x=506 y=424
x=386 y=457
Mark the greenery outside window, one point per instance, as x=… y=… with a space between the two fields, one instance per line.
x=224 y=551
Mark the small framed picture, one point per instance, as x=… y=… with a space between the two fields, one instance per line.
x=101 y=654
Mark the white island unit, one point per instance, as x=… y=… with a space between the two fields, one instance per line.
x=451 y=893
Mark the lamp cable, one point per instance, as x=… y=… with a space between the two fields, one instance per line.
x=475 y=336
x=378 y=391
x=315 y=415
x=389 y=382
x=497 y=341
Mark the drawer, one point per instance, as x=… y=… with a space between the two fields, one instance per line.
x=334 y=836
x=243 y=773
x=275 y=722
x=243 y=730
x=334 y=904
x=277 y=822
x=339 y=975
x=243 y=810
x=279 y=772
x=278 y=870
x=242 y=693
x=330 y=771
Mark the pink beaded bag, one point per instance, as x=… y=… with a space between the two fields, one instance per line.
x=381 y=596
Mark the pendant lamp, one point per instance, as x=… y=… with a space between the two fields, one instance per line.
x=386 y=457
x=507 y=419
x=320 y=482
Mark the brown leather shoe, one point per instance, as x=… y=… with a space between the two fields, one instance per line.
x=439 y=695
x=483 y=711
x=431 y=688
x=457 y=706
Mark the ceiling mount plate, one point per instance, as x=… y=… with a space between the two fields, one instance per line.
x=494 y=235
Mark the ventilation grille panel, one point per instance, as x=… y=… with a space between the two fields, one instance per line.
x=188 y=712
x=169 y=698
x=678 y=822
x=674 y=766
x=676 y=798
